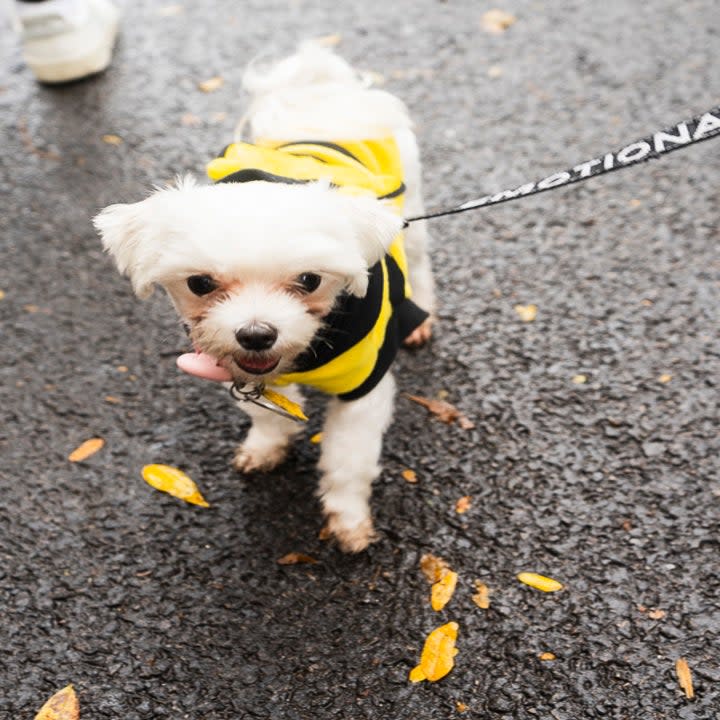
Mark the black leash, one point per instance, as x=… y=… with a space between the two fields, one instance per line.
x=689 y=132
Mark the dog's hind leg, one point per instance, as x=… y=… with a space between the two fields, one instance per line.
x=269 y=436
x=351 y=445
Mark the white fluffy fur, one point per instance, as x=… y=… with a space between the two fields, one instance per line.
x=254 y=238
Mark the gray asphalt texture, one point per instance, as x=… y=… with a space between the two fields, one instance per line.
x=154 y=608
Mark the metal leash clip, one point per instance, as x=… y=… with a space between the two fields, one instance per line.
x=268 y=399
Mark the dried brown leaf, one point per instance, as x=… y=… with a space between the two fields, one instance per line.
x=170 y=10
x=527 y=313
x=190 y=120
x=656 y=614
x=482 y=595
x=465 y=423
x=296 y=558
x=112 y=140
x=211 y=84
x=547 y=656
x=63 y=705
x=434 y=568
x=443 y=410
x=463 y=504
x=409 y=475
x=496 y=21
x=685 y=677
x=328 y=40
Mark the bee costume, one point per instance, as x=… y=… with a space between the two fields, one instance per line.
x=361 y=336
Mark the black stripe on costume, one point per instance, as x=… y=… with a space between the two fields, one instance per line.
x=397 y=191
x=322 y=143
x=346 y=325
x=406 y=316
x=253 y=174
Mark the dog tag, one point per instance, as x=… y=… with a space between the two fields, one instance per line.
x=268 y=399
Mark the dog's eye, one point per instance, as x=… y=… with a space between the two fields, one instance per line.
x=201 y=284
x=308 y=282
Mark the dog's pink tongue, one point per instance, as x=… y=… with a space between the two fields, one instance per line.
x=203 y=366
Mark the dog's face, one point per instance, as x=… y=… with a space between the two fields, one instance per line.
x=252 y=268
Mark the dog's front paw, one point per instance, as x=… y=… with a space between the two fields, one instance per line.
x=420 y=335
x=351 y=539
x=252 y=457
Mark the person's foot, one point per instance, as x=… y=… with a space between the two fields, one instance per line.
x=67 y=40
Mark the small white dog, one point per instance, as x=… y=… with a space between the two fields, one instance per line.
x=293 y=268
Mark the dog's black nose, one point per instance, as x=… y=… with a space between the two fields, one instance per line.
x=257 y=336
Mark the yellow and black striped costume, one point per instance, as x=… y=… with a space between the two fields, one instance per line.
x=361 y=336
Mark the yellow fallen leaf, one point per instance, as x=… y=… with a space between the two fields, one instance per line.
x=463 y=504
x=212 y=84
x=285 y=403
x=685 y=677
x=635 y=202
x=461 y=707
x=496 y=21
x=316 y=439
x=112 y=400
x=482 y=595
x=539 y=582
x=437 y=658
x=2 y=294
x=190 y=120
x=63 y=705
x=527 y=313
x=296 y=558
x=547 y=656
x=112 y=140
x=173 y=482
x=579 y=379
x=434 y=568
x=443 y=590
x=86 y=449
x=409 y=475
x=665 y=378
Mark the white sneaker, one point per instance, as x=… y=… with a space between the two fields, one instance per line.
x=67 y=40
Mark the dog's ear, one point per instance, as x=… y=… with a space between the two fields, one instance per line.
x=375 y=227
x=133 y=235
x=123 y=229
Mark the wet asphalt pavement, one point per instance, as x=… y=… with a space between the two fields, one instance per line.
x=157 y=609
